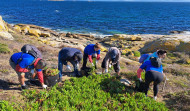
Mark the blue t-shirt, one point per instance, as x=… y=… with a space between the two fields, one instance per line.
x=89 y=49
x=148 y=66
x=27 y=59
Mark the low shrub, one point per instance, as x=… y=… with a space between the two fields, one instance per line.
x=137 y=53
x=95 y=92
x=6 y=106
x=4 y=48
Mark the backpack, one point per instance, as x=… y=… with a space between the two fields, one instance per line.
x=32 y=50
x=143 y=58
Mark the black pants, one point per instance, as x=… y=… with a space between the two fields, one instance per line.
x=115 y=66
x=85 y=58
x=154 y=76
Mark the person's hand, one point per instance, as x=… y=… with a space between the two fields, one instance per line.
x=92 y=64
x=68 y=68
x=96 y=61
x=140 y=79
x=109 y=65
x=106 y=70
x=32 y=71
x=167 y=79
x=44 y=86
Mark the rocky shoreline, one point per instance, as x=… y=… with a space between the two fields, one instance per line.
x=127 y=43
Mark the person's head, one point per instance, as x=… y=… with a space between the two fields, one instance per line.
x=78 y=56
x=97 y=47
x=156 y=62
x=161 y=54
x=41 y=64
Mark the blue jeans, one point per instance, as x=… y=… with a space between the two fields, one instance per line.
x=60 y=65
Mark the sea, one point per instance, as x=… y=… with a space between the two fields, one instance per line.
x=99 y=18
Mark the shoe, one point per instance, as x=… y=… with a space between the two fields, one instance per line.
x=78 y=75
x=155 y=97
x=60 y=79
x=24 y=87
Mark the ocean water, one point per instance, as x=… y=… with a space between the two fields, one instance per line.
x=100 y=18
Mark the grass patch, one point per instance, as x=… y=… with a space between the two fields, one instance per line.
x=179 y=101
x=4 y=48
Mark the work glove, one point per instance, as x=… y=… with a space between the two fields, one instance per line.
x=96 y=61
x=32 y=71
x=109 y=65
x=77 y=65
x=68 y=68
x=140 y=79
x=106 y=70
x=167 y=79
x=44 y=86
x=92 y=64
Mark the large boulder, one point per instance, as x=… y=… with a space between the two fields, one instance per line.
x=4 y=30
x=168 y=43
x=17 y=28
x=45 y=34
x=34 y=32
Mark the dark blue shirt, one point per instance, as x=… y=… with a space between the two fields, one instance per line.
x=89 y=49
x=67 y=53
x=148 y=66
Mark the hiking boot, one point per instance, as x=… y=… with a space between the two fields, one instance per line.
x=24 y=87
x=60 y=79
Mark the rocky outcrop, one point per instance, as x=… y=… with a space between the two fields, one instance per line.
x=35 y=30
x=4 y=30
x=180 y=43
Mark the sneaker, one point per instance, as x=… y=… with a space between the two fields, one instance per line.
x=60 y=79
x=24 y=87
x=155 y=97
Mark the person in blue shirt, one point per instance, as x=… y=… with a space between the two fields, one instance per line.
x=89 y=52
x=156 y=54
x=22 y=63
x=154 y=72
x=72 y=55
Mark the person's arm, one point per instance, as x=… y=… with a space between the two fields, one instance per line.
x=40 y=76
x=90 y=58
x=98 y=55
x=139 y=71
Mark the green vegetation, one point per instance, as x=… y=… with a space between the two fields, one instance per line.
x=5 y=106
x=50 y=72
x=4 y=48
x=95 y=92
x=137 y=53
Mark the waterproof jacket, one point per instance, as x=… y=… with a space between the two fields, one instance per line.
x=67 y=54
x=25 y=64
x=113 y=52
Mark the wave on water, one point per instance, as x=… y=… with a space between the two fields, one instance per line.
x=57 y=11
x=186 y=32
